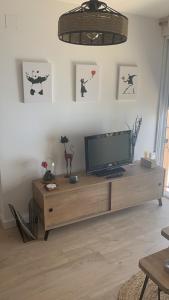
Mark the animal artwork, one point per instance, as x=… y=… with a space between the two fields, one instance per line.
x=68 y=159
x=36 y=82
x=84 y=82
x=68 y=154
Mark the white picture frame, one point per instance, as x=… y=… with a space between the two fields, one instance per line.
x=87 y=83
x=37 y=82
x=127 y=83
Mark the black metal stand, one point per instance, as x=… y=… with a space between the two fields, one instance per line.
x=23 y=227
x=144 y=287
x=160 y=202
x=159 y=293
x=46 y=235
x=20 y=230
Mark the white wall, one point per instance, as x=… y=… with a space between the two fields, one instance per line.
x=30 y=132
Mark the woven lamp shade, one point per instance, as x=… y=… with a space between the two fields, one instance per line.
x=93 y=27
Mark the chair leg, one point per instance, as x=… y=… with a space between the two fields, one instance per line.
x=160 y=202
x=144 y=287
x=159 y=293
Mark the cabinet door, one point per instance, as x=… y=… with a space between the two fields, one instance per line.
x=133 y=190
x=79 y=203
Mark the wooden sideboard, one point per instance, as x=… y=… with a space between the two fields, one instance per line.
x=93 y=196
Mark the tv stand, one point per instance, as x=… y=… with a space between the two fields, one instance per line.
x=110 y=171
x=94 y=196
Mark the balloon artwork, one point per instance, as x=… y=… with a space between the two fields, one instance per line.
x=93 y=73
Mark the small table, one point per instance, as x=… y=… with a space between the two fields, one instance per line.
x=165 y=232
x=153 y=267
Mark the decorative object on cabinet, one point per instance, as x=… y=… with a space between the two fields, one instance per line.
x=148 y=162
x=37 y=82
x=94 y=24
x=68 y=154
x=87 y=83
x=44 y=165
x=134 y=133
x=127 y=83
x=48 y=176
x=51 y=186
x=73 y=179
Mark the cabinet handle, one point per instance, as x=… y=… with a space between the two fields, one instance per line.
x=50 y=209
x=159 y=184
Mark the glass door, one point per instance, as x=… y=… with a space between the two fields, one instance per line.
x=166 y=159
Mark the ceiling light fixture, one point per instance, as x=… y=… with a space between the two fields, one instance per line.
x=94 y=24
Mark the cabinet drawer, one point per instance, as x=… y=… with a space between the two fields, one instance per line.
x=65 y=207
x=133 y=190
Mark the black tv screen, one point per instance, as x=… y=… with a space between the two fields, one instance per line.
x=107 y=150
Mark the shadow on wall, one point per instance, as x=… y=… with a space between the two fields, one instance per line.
x=19 y=79
x=19 y=196
x=17 y=188
x=18 y=176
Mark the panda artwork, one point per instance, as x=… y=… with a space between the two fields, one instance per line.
x=37 y=82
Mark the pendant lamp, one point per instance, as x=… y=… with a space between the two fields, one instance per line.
x=93 y=24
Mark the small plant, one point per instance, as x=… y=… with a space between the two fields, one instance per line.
x=48 y=176
x=44 y=165
x=134 y=134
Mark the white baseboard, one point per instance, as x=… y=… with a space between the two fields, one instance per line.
x=10 y=223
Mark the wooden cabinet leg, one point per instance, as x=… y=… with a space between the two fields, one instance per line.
x=46 y=235
x=160 y=202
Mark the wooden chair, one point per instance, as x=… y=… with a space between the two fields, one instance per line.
x=153 y=267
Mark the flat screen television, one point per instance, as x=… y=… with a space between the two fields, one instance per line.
x=107 y=151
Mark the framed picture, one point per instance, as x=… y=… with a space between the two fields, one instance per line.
x=127 y=83
x=37 y=82
x=87 y=83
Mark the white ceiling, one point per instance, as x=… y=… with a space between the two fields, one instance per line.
x=148 y=8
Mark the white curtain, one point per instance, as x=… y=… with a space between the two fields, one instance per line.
x=163 y=105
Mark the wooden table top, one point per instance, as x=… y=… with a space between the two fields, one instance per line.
x=153 y=266
x=84 y=181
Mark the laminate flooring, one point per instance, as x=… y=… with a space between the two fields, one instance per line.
x=84 y=261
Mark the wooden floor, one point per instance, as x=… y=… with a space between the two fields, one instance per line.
x=85 y=261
